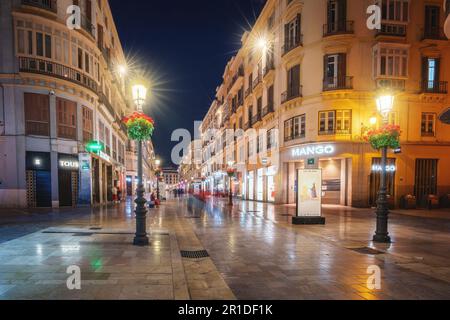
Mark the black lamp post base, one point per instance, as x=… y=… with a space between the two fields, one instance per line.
x=141 y=241
x=381 y=238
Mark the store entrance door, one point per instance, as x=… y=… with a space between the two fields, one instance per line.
x=426 y=180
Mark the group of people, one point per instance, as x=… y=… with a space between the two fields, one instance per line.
x=116 y=194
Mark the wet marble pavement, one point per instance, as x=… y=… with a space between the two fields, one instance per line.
x=255 y=253
x=261 y=255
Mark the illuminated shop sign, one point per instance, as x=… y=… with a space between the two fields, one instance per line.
x=389 y=168
x=68 y=164
x=318 y=150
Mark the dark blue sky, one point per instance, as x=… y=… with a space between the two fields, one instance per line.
x=186 y=45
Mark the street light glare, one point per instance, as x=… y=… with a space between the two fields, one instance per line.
x=261 y=43
x=123 y=70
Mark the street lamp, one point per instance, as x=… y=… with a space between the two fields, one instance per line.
x=158 y=175
x=385 y=104
x=230 y=172
x=139 y=93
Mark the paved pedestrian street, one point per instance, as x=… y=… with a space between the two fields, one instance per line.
x=254 y=253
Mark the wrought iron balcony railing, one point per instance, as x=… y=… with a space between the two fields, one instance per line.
x=434 y=34
x=291 y=94
x=257 y=80
x=268 y=109
x=57 y=70
x=337 y=83
x=391 y=84
x=270 y=65
x=440 y=87
x=49 y=5
x=340 y=27
x=293 y=43
x=249 y=90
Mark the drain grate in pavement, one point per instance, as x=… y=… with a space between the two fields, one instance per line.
x=95 y=228
x=82 y=234
x=192 y=217
x=194 y=254
x=286 y=215
x=366 y=250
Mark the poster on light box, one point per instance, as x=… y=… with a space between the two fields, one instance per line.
x=309 y=197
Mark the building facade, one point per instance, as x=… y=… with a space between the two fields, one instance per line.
x=60 y=90
x=302 y=90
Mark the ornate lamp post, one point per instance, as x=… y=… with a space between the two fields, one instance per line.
x=385 y=104
x=140 y=128
x=230 y=172
x=158 y=176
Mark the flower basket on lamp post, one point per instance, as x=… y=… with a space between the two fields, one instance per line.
x=388 y=136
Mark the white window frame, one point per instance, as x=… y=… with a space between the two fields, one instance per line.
x=398 y=54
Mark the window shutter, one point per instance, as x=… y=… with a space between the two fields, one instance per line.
x=342 y=69
x=342 y=12
x=298 y=29
x=325 y=68
x=438 y=69
x=425 y=69
x=286 y=36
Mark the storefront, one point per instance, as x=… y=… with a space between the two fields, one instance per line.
x=68 y=170
x=251 y=185
x=38 y=180
x=334 y=159
x=260 y=184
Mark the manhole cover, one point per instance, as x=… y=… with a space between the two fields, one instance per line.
x=194 y=254
x=366 y=250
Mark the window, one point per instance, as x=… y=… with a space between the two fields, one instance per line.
x=390 y=61
x=293 y=82
x=335 y=71
x=395 y=10
x=37 y=119
x=336 y=15
x=343 y=121
x=295 y=128
x=107 y=141
x=432 y=22
x=88 y=124
x=67 y=119
x=101 y=132
x=39 y=44
x=428 y=124
x=292 y=34
x=430 y=74
x=327 y=122
x=114 y=147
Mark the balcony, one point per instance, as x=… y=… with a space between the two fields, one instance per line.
x=57 y=70
x=270 y=65
x=291 y=94
x=438 y=87
x=392 y=30
x=433 y=34
x=87 y=25
x=249 y=90
x=257 y=118
x=239 y=73
x=49 y=5
x=104 y=100
x=257 y=80
x=338 y=83
x=336 y=28
x=292 y=44
x=247 y=126
x=268 y=109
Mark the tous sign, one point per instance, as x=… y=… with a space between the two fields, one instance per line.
x=318 y=150
x=68 y=164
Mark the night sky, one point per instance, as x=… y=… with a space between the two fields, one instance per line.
x=184 y=45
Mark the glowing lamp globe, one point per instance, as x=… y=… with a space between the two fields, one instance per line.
x=139 y=93
x=385 y=103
